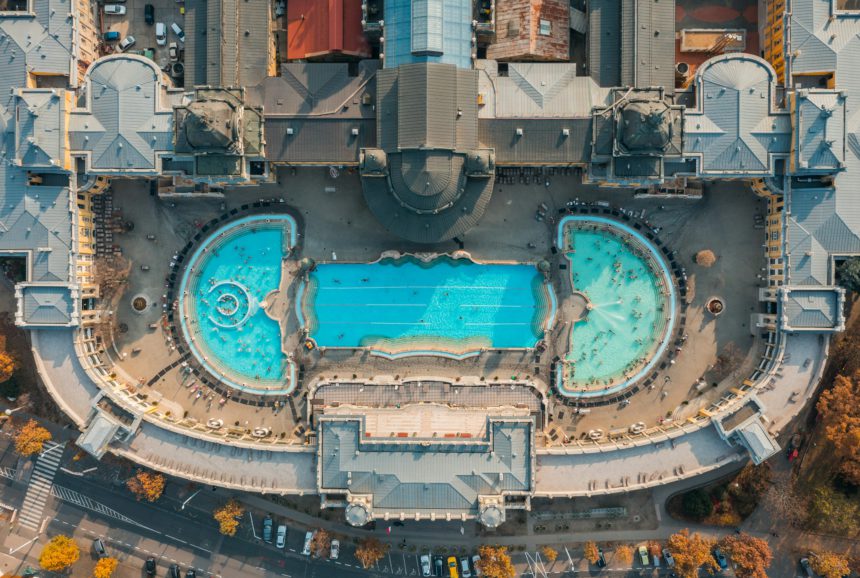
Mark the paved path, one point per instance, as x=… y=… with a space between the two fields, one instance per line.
x=39 y=488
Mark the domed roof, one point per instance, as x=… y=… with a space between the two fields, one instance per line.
x=357 y=515
x=492 y=516
x=373 y=162
x=645 y=125
x=211 y=124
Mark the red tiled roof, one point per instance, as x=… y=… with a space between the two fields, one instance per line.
x=321 y=27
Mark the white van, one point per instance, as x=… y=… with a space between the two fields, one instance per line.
x=178 y=31
x=160 y=33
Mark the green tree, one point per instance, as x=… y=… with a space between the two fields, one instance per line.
x=848 y=274
x=697 y=504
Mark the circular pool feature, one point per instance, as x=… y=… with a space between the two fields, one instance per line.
x=139 y=303
x=227 y=278
x=629 y=312
x=715 y=306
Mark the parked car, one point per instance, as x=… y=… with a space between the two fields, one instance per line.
x=99 y=548
x=425 y=565
x=306 y=550
x=191 y=573
x=465 y=571
x=281 y=536
x=643 y=556
x=670 y=562
x=160 y=33
x=126 y=43
x=438 y=565
x=601 y=559
x=111 y=36
x=452 y=567
x=115 y=9
x=721 y=559
x=149 y=566
x=334 y=549
x=267 y=529
x=656 y=558
x=807 y=569
x=173 y=571
x=149 y=14
x=177 y=29
x=475 y=567
x=173 y=51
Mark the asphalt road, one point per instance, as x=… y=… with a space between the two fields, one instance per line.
x=172 y=536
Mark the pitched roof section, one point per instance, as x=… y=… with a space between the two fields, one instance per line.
x=537 y=90
x=428 y=31
x=825 y=222
x=227 y=42
x=604 y=42
x=40 y=128
x=819 y=139
x=812 y=308
x=125 y=128
x=311 y=111
x=632 y=43
x=317 y=28
x=418 y=184
x=46 y=305
x=433 y=477
x=36 y=217
x=734 y=129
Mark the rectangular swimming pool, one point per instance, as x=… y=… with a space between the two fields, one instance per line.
x=447 y=305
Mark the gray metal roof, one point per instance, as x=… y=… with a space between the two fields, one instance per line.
x=318 y=140
x=812 y=308
x=321 y=103
x=99 y=433
x=125 y=127
x=537 y=90
x=426 y=106
x=652 y=59
x=826 y=221
x=52 y=305
x=437 y=476
x=427 y=125
x=735 y=129
x=819 y=134
x=542 y=141
x=604 y=41
x=40 y=131
x=327 y=89
x=227 y=42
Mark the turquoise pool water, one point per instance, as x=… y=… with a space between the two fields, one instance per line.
x=632 y=305
x=447 y=305
x=221 y=301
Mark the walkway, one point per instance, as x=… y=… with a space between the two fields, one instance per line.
x=39 y=488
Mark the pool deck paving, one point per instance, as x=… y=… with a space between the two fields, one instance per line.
x=338 y=224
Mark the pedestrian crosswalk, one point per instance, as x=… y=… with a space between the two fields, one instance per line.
x=39 y=489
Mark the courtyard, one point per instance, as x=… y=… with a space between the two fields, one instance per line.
x=334 y=225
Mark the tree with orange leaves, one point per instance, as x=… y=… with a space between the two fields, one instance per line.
x=691 y=552
x=30 y=438
x=146 y=485
x=495 y=562
x=839 y=407
x=370 y=551
x=750 y=555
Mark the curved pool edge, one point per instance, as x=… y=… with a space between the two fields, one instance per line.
x=670 y=327
x=204 y=244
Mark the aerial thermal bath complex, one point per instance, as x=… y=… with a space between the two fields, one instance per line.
x=439 y=283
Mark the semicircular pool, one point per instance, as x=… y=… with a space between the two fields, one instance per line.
x=222 y=303
x=630 y=313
